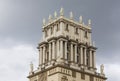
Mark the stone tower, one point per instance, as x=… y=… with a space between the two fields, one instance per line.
x=66 y=52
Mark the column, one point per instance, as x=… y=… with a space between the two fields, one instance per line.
x=61 y=48
x=58 y=54
x=85 y=56
x=43 y=54
x=81 y=55
x=65 y=49
x=53 y=50
x=94 y=61
x=40 y=56
x=90 y=58
x=50 y=51
x=75 y=53
x=71 y=52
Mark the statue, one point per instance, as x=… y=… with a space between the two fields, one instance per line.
x=50 y=18
x=102 y=69
x=31 y=67
x=89 y=22
x=55 y=14
x=61 y=12
x=71 y=15
x=80 y=19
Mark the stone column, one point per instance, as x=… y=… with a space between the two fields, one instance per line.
x=49 y=51
x=53 y=50
x=90 y=58
x=71 y=52
x=81 y=55
x=65 y=49
x=43 y=54
x=40 y=56
x=94 y=59
x=85 y=56
x=61 y=49
x=58 y=54
x=75 y=53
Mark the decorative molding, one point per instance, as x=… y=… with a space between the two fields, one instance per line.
x=72 y=69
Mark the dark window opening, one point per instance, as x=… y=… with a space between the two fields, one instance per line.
x=76 y=30
x=67 y=27
x=82 y=76
x=86 y=34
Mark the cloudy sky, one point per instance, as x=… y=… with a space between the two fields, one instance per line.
x=20 y=33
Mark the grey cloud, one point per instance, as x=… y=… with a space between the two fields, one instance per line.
x=21 y=21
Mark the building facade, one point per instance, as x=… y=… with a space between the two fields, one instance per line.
x=66 y=51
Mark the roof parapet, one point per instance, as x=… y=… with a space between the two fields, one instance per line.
x=71 y=18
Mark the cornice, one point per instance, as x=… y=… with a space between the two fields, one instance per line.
x=92 y=47
x=66 y=67
x=52 y=38
x=74 y=41
x=61 y=36
x=42 y=43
